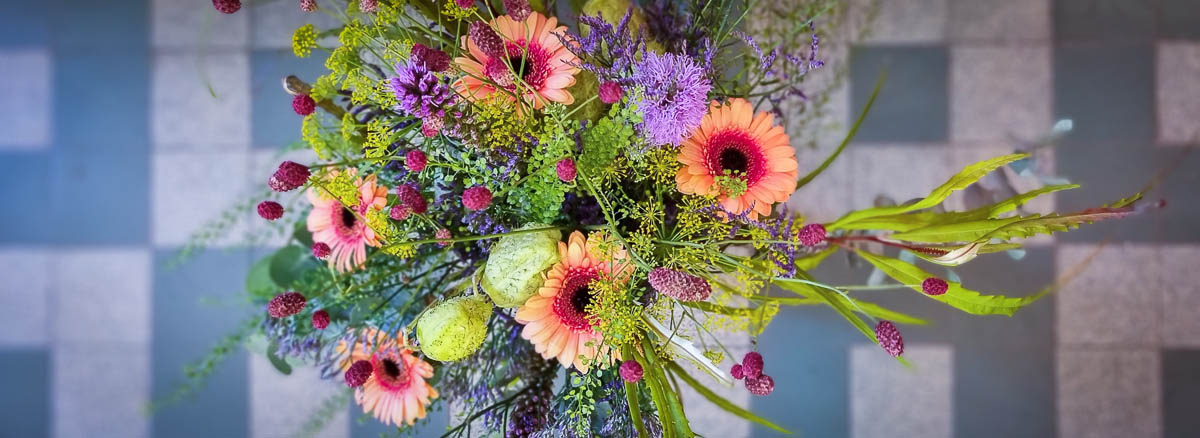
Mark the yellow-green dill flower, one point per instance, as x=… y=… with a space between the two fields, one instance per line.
x=514 y=269
x=304 y=39
x=454 y=329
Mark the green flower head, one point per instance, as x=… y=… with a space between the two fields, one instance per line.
x=454 y=329
x=514 y=270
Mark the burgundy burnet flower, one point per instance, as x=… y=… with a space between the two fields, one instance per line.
x=288 y=177
x=518 y=9
x=443 y=236
x=738 y=371
x=433 y=59
x=565 y=169
x=399 y=212
x=308 y=5
x=227 y=6
x=477 y=198
x=358 y=373
x=415 y=160
x=889 y=338
x=432 y=126
x=303 y=104
x=610 y=92
x=679 y=285
x=368 y=5
x=811 y=234
x=631 y=371
x=270 y=210
x=486 y=39
x=761 y=385
x=752 y=364
x=409 y=197
x=321 y=250
x=320 y=319
x=934 y=286
x=465 y=4
x=286 y=304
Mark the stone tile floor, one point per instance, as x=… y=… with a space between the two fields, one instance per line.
x=131 y=123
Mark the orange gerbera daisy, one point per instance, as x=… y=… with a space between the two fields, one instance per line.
x=396 y=392
x=556 y=319
x=346 y=233
x=740 y=156
x=533 y=51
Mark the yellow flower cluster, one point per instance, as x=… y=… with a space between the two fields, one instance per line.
x=304 y=39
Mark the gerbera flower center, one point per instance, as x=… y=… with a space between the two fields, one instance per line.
x=390 y=372
x=574 y=298
x=345 y=223
x=530 y=63
x=736 y=152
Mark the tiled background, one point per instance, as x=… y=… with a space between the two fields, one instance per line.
x=126 y=125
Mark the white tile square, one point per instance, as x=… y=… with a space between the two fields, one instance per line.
x=201 y=102
x=192 y=189
x=302 y=393
x=1178 y=92
x=272 y=23
x=1181 y=296
x=27 y=114
x=889 y=400
x=196 y=24
x=899 y=21
x=1000 y=21
x=1000 y=93
x=101 y=390
x=102 y=295
x=1114 y=301
x=1109 y=394
x=25 y=294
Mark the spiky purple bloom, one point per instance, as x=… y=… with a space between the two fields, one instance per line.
x=889 y=338
x=418 y=90
x=674 y=96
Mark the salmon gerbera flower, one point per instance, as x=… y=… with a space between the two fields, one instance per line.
x=742 y=157
x=344 y=228
x=556 y=319
x=396 y=391
x=533 y=51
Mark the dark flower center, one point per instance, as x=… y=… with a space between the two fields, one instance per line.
x=735 y=151
x=391 y=368
x=574 y=298
x=348 y=218
x=390 y=371
x=734 y=160
x=581 y=299
x=519 y=65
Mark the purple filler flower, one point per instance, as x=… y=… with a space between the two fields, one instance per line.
x=674 y=97
x=418 y=91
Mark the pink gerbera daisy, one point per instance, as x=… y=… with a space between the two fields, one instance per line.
x=343 y=228
x=535 y=54
x=396 y=391
x=556 y=319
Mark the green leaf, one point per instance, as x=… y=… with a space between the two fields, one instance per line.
x=289 y=264
x=837 y=304
x=279 y=363
x=721 y=402
x=957 y=296
x=1050 y=224
x=259 y=284
x=849 y=134
x=911 y=221
x=886 y=313
x=633 y=398
x=810 y=261
x=302 y=235
x=968 y=231
x=962 y=180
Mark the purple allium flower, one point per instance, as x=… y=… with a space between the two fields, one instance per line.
x=418 y=91
x=674 y=96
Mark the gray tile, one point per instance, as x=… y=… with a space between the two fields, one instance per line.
x=25 y=24
x=890 y=400
x=274 y=123
x=272 y=23
x=1103 y=20
x=1109 y=101
x=705 y=416
x=1177 y=222
x=196 y=24
x=1000 y=93
x=101 y=296
x=201 y=102
x=25 y=402
x=992 y=21
x=1181 y=296
x=85 y=405
x=1178 y=92
x=1113 y=170
x=1114 y=301
x=280 y=404
x=1109 y=393
x=912 y=106
x=1181 y=389
x=1179 y=19
x=25 y=118
x=902 y=21
x=26 y=293
x=191 y=189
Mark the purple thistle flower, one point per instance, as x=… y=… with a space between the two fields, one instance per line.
x=418 y=91
x=674 y=96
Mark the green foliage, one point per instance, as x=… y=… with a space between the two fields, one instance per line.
x=540 y=193
x=906 y=222
x=289 y=264
x=604 y=141
x=957 y=296
x=586 y=388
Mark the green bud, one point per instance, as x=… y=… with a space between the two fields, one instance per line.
x=454 y=329
x=514 y=270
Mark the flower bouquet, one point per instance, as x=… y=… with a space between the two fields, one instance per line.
x=545 y=217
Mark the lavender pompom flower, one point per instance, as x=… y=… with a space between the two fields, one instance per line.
x=419 y=92
x=674 y=96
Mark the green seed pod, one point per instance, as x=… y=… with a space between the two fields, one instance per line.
x=514 y=270
x=454 y=329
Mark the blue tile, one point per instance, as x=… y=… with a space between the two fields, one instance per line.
x=1180 y=19
x=25 y=177
x=101 y=98
x=107 y=191
x=87 y=23
x=1108 y=91
x=1180 y=220
x=912 y=106
x=24 y=24
x=25 y=400
x=1108 y=171
x=274 y=123
x=1104 y=20
x=1181 y=389
x=195 y=305
x=365 y=426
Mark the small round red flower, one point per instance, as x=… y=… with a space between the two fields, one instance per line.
x=477 y=198
x=270 y=210
x=303 y=105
